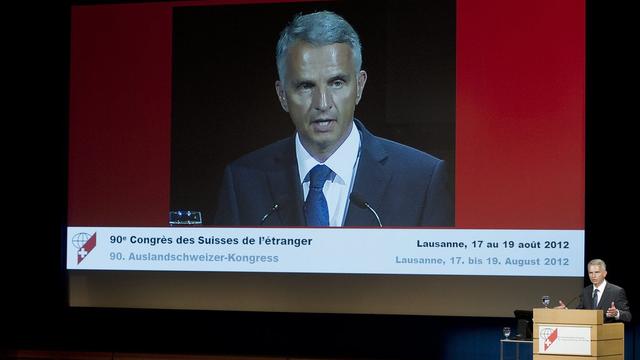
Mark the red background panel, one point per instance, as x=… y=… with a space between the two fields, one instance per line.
x=120 y=115
x=520 y=117
x=520 y=139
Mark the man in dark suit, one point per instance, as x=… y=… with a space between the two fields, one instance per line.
x=603 y=295
x=333 y=171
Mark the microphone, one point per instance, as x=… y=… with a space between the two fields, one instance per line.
x=572 y=300
x=361 y=202
x=566 y=306
x=273 y=209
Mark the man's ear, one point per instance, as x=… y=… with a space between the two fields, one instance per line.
x=282 y=97
x=361 y=81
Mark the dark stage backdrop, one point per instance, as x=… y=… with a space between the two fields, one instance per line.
x=225 y=105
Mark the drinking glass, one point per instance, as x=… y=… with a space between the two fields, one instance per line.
x=546 y=300
x=506 y=331
x=185 y=217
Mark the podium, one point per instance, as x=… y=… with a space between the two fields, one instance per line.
x=576 y=335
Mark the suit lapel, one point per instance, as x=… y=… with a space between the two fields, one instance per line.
x=587 y=300
x=604 y=299
x=285 y=187
x=371 y=180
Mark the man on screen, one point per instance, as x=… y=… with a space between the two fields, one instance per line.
x=333 y=171
x=603 y=295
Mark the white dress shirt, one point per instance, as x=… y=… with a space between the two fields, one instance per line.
x=343 y=164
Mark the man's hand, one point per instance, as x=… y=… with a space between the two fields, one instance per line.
x=612 y=311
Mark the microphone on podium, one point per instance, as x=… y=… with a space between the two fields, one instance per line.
x=273 y=209
x=361 y=202
x=566 y=306
x=572 y=300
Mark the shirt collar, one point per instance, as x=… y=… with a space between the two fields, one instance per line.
x=341 y=162
x=602 y=286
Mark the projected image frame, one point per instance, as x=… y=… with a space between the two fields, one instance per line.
x=223 y=60
x=519 y=117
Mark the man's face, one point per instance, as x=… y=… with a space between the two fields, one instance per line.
x=320 y=91
x=596 y=274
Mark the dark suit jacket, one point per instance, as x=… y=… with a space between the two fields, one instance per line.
x=611 y=293
x=405 y=186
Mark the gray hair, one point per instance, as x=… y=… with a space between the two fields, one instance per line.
x=597 y=262
x=318 y=29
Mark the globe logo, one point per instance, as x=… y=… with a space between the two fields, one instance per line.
x=79 y=239
x=544 y=333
